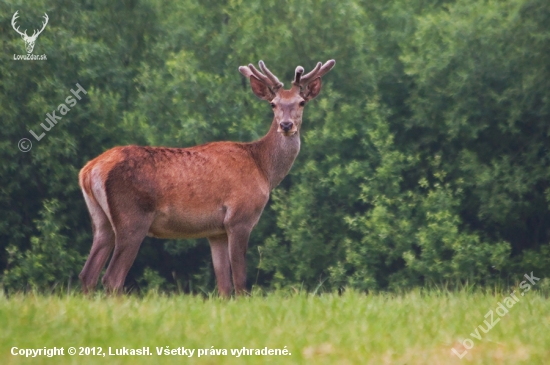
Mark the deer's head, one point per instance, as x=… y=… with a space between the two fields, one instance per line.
x=29 y=41
x=288 y=105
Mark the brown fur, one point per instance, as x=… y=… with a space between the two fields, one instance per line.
x=216 y=190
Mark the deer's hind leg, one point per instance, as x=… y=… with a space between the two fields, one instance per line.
x=127 y=243
x=102 y=246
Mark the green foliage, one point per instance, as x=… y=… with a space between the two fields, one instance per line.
x=480 y=105
x=424 y=160
x=50 y=261
x=152 y=281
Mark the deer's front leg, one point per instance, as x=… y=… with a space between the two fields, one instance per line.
x=222 y=268
x=238 y=244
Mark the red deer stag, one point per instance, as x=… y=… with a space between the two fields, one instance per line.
x=216 y=190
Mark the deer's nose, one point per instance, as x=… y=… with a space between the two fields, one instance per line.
x=286 y=126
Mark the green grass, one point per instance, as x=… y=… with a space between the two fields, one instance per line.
x=412 y=328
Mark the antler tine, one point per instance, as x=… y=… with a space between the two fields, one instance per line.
x=43 y=25
x=298 y=76
x=326 y=67
x=309 y=76
x=13 y=19
x=275 y=81
x=260 y=76
x=318 y=71
x=245 y=71
x=46 y=21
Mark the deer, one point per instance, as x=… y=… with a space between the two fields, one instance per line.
x=216 y=190
x=29 y=41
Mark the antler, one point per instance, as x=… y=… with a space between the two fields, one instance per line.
x=43 y=26
x=34 y=34
x=269 y=78
x=317 y=72
x=15 y=16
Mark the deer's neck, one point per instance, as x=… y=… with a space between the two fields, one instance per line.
x=275 y=154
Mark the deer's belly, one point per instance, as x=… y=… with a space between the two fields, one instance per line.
x=177 y=223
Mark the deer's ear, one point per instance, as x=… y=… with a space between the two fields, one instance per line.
x=312 y=89
x=260 y=89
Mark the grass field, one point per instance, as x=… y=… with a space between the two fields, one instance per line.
x=412 y=328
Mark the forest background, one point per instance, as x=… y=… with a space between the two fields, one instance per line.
x=425 y=160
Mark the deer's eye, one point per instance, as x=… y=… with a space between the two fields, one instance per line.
x=302 y=103
x=273 y=105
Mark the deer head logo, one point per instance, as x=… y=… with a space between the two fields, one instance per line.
x=29 y=41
